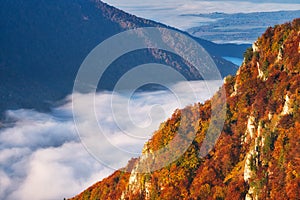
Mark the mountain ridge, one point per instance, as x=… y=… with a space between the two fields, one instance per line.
x=257 y=155
x=43 y=44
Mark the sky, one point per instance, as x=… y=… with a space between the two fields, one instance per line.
x=169 y=11
x=42 y=156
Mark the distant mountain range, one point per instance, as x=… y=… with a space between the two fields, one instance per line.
x=257 y=155
x=238 y=27
x=43 y=44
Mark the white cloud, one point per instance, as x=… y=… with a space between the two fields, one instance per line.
x=41 y=156
x=54 y=173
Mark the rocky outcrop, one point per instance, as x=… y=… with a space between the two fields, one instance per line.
x=287 y=108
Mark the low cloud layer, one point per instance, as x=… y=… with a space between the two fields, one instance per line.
x=42 y=157
x=169 y=11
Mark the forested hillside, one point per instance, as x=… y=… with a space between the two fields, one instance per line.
x=258 y=153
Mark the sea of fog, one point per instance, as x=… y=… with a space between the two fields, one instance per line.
x=41 y=154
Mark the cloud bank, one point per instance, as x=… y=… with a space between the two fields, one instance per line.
x=42 y=157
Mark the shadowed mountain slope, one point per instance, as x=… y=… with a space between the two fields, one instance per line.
x=43 y=44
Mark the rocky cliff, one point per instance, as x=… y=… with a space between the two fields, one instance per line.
x=258 y=153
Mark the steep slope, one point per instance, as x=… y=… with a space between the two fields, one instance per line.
x=258 y=153
x=43 y=44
